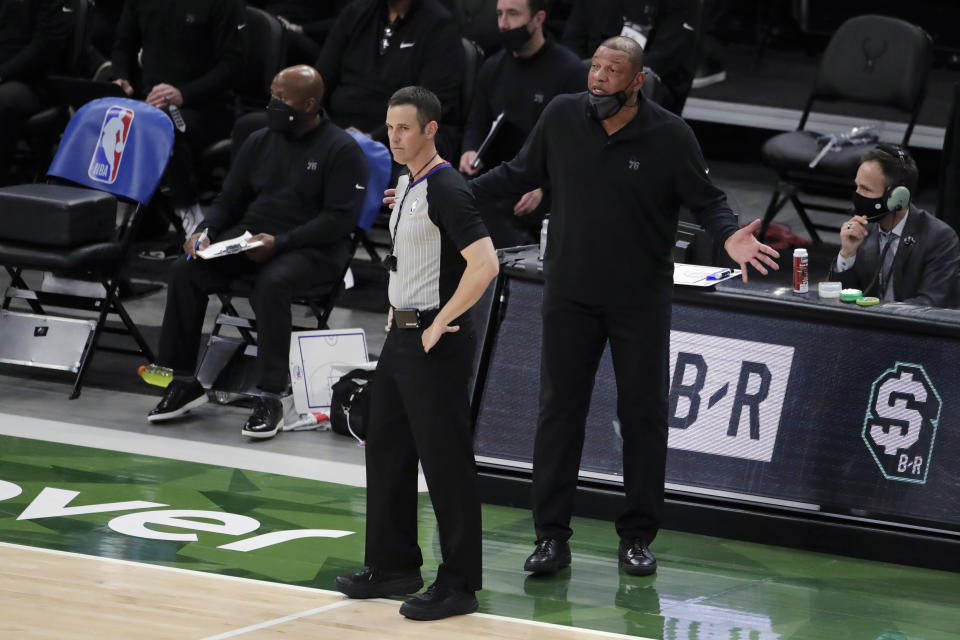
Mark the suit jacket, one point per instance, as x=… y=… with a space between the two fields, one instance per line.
x=925 y=267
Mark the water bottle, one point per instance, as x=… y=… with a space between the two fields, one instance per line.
x=800 y=271
x=543 y=237
x=155 y=374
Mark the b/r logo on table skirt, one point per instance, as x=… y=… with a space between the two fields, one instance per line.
x=901 y=422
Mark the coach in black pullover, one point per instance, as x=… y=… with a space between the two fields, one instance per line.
x=362 y=66
x=614 y=197
x=299 y=191
x=619 y=175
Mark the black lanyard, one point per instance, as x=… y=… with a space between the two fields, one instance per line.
x=396 y=225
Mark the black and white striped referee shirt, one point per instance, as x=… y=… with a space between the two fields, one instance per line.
x=435 y=218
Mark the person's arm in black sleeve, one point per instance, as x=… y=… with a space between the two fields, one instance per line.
x=526 y=172
x=941 y=261
x=339 y=210
x=453 y=209
x=575 y=31
x=40 y=55
x=231 y=44
x=329 y=62
x=319 y=29
x=695 y=189
x=237 y=193
x=674 y=38
x=126 y=43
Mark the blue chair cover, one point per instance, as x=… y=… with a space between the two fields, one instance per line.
x=379 y=162
x=116 y=145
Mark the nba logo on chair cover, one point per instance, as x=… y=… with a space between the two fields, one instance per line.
x=105 y=163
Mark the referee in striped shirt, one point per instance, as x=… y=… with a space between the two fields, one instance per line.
x=441 y=262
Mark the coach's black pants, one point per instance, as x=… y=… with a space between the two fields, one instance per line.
x=276 y=282
x=574 y=336
x=420 y=409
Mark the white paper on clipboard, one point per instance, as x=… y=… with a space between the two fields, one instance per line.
x=695 y=275
x=315 y=357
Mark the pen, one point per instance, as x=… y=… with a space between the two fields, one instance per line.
x=718 y=275
x=203 y=236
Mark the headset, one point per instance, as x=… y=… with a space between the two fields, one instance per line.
x=895 y=196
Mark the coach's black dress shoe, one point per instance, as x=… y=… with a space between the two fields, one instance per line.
x=439 y=602
x=636 y=559
x=180 y=397
x=373 y=583
x=550 y=556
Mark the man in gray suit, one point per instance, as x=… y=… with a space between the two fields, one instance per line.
x=892 y=249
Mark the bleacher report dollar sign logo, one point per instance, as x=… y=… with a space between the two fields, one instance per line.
x=901 y=422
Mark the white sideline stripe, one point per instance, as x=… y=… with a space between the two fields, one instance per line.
x=276 y=621
x=283 y=464
x=294 y=587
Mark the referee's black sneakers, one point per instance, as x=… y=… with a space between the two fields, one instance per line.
x=180 y=397
x=439 y=602
x=266 y=418
x=373 y=583
x=551 y=555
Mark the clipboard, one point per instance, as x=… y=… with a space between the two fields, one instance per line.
x=695 y=275
x=486 y=141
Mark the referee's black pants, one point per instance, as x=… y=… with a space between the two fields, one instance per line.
x=574 y=337
x=420 y=410
x=276 y=282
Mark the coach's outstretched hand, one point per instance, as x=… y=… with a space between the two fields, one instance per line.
x=744 y=248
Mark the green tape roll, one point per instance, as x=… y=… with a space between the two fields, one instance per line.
x=851 y=295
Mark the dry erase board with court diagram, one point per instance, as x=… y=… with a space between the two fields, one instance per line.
x=313 y=355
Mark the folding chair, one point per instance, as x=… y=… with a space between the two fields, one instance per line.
x=113 y=150
x=871 y=61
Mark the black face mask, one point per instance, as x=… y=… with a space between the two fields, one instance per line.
x=603 y=107
x=281 y=117
x=873 y=209
x=514 y=39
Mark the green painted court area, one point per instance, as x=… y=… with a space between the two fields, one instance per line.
x=71 y=498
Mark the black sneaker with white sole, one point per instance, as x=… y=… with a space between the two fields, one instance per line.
x=266 y=418
x=180 y=397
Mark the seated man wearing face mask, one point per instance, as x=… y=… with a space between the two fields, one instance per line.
x=518 y=81
x=298 y=185
x=892 y=249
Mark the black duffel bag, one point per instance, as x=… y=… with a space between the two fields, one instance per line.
x=350 y=404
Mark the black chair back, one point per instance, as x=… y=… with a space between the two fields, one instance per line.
x=472 y=60
x=265 y=55
x=875 y=60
